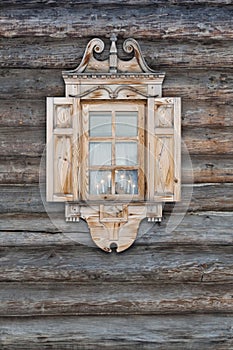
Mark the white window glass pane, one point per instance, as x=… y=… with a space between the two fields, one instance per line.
x=126 y=153
x=100 y=153
x=100 y=124
x=126 y=124
x=126 y=182
x=100 y=182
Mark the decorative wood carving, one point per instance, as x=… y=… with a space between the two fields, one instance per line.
x=112 y=195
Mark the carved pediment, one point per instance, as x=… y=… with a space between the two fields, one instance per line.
x=91 y=65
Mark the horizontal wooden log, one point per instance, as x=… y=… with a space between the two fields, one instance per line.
x=199 y=113
x=198 y=250
x=26 y=141
x=30 y=141
x=72 y=3
x=210 y=332
x=215 y=169
x=27 y=113
x=20 y=170
x=205 y=141
x=56 y=299
x=204 y=230
x=141 y=264
x=140 y=21
x=211 y=197
x=24 y=113
x=198 y=84
x=30 y=83
x=27 y=199
x=35 y=52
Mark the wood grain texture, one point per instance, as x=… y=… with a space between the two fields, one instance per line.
x=139 y=21
x=54 y=299
x=213 y=113
x=18 y=170
x=128 y=332
x=171 y=290
x=140 y=264
x=23 y=112
x=29 y=113
x=201 y=84
x=30 y=141
x=73 y=3
x=36 y=52
x=198 y=250
x=202 y=230
x=27 y=198
x=203 y=169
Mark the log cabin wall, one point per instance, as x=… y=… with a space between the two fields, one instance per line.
x=170 y=290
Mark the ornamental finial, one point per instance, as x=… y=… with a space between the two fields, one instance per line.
x=113 y=54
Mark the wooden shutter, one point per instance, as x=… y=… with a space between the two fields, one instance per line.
x=61 y=145
x=165 y=148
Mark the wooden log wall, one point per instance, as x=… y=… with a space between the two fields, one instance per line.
x=171 y=290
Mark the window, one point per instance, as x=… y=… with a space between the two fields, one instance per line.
x=114 y=146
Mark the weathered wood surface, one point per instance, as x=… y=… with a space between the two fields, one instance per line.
x=140 y=21
x=73 y=3
x=19 y=170
x=202 y=169
x=30 y=141
x=207 y=169
x=140 y=264
x=201 y=84
x=54 y=299
x=189 y=271
x=35 y=52
x=31 y=113
x=199 y=230
x=128 y=332
x=27 y=198
x=198 y=250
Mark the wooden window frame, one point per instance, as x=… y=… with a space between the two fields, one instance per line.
x=113 y=107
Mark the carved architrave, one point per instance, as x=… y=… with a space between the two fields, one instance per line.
x=114 y=210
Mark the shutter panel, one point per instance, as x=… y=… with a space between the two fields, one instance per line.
x=61 y=144
x=167 y=149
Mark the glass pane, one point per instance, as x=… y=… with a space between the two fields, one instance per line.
x=126 y=182
x=126 y=153
x=100 y=153
x=126 y=124
x=100 y=124
x=100 y=182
